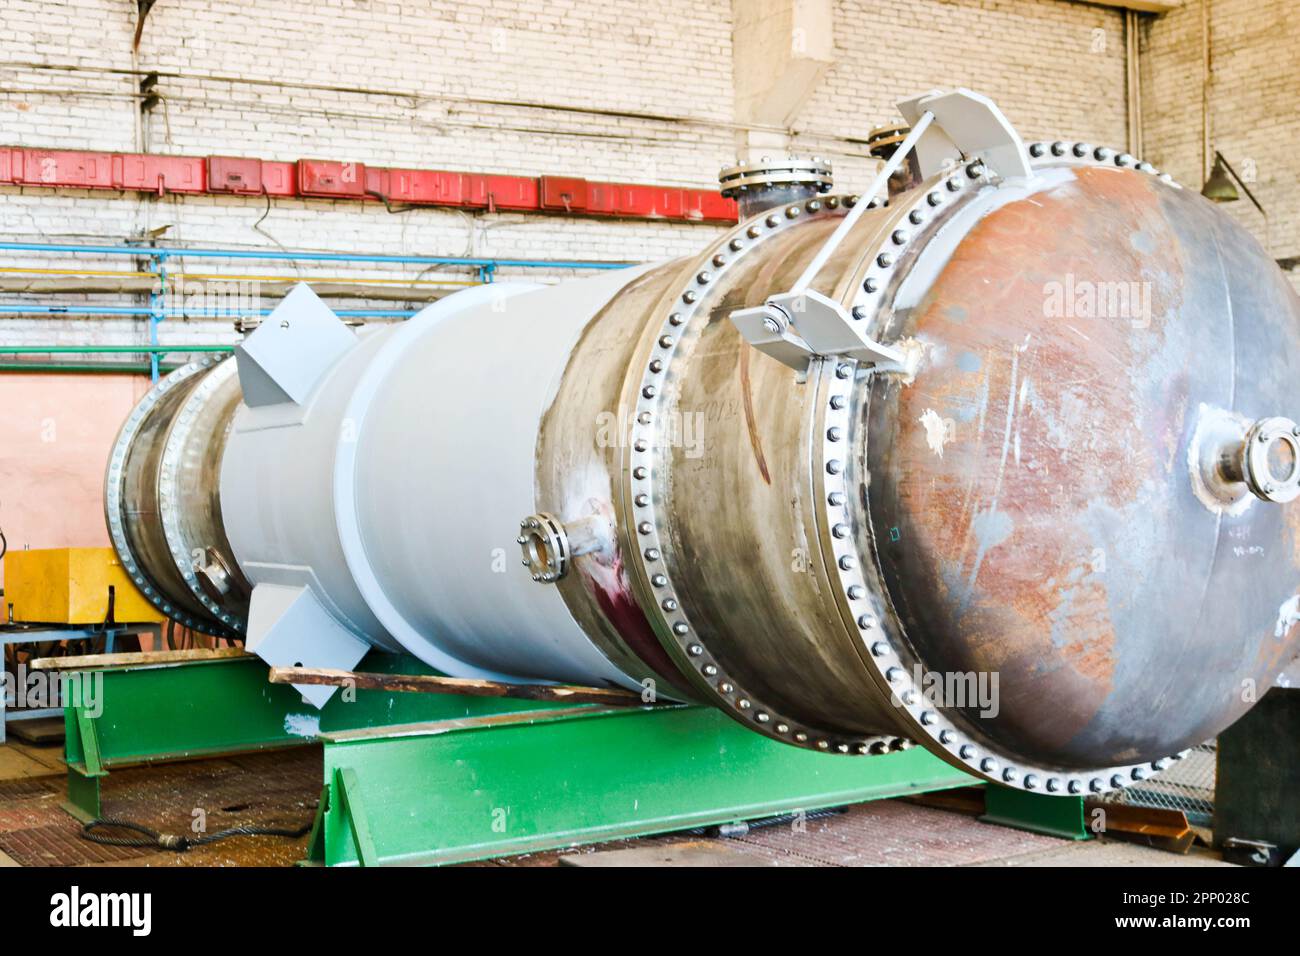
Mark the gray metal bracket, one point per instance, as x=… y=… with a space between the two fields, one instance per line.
x=947 y=127
x=967 y=126
x=824 y=327
x=292 y=350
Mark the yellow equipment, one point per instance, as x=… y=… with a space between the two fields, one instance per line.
x=72 y=586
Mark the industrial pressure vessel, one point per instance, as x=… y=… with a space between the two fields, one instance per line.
x=1029 y=504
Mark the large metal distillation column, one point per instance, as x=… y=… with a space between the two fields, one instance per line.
x=1002 y=463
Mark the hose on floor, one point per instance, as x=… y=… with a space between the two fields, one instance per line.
x=745 y=827
x=149 y=838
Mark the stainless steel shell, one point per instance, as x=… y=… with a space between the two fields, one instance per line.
x=162 y=500
x=846 y=558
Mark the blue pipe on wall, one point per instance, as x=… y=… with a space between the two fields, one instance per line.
x=172 y=251
x=160 y=254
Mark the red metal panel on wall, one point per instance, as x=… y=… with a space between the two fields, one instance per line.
x=657 y=202
x=564 y=193
x=280 y=179
x=502 y=192
x=376 y=182
x=77 y=170
x=602 y=199
x=427 y=187
x=650 y=202
x=331 y=180
x=707 y=205
x=161 y=174
x=228 y=174
x=328 y=179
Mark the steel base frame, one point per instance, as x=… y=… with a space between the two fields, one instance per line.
x=538 y=780
x=435 y=779
x=1052 y=816
x=39 y=635
x=155 y=713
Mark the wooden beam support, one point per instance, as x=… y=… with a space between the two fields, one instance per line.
x=135 y=659
x=428 y=684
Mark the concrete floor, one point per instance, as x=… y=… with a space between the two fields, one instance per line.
x=282 y=788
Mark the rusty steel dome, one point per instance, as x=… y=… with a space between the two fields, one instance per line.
x=1055 y=528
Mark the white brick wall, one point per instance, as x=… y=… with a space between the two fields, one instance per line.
x=1055 y=68
x=622 y=90
x=1255 y=71
x=429 y=67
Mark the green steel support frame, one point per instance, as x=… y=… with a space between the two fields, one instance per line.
x=127 y=716
x=416 y=778
x=523 y=782
x=1053 y=816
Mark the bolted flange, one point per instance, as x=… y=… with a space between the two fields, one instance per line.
x=549 y=545
x=1234 y=459
x=1270 y=462
x=545 y=547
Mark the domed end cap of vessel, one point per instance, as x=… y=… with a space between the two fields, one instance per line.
x=1043 y=488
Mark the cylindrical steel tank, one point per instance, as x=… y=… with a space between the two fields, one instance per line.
x=1055 y=544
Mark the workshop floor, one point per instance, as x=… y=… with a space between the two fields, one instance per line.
x=281 y=789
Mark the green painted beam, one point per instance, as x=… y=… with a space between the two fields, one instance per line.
x=1039 y=813
x=199 y=708
x=432 y=778
x=134 y=715
x=462 y=790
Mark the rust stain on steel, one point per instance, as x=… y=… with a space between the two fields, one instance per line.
x=754 y=440
x=1050 y=430
x=606 y=580
x=582 y=438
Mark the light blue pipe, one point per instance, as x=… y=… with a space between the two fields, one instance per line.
x=159 y=252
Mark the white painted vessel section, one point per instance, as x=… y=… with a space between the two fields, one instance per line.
x=380 y=509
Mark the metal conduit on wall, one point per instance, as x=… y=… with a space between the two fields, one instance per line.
x=158 y=283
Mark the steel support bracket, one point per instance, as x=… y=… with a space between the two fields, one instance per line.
x=829 y=328
x=348 y=788
x=767 y=329
x=1038 y=813
x=316 y=838
x=795 y=327
x=88 y=736
x=84 y=762
x=287 y=355
x=83 y=801
x=948 y=128
x=967 y=126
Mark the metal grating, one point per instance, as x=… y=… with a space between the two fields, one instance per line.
x=1187 y=785
x=879 y=833
x=60 y=844
x=278 y=789
x=28 y=787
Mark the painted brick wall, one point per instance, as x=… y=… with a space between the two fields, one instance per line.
x=1254 y=74
x=628 y=91
x=1056 y=69
x=620 y=89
